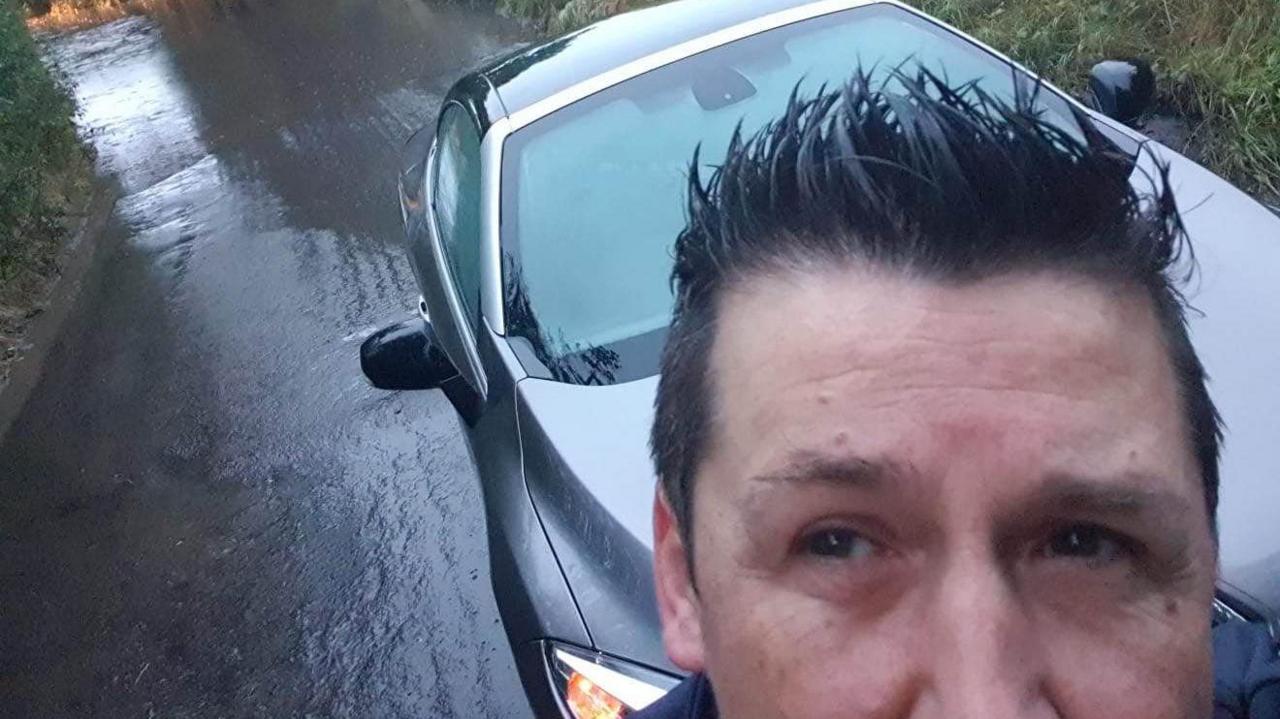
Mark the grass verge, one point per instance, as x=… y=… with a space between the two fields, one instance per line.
x=65 y=15
x=44 y=173
x=559 y=16
x=1218 y=61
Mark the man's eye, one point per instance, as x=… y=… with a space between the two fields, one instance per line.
x=1086 y=542
x=838 y=544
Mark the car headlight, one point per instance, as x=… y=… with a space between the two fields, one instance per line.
x=593 y=686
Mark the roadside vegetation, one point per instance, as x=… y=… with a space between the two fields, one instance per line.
x=44 y=172
x=1218 y=61
x=63 y=15
x=564 y=15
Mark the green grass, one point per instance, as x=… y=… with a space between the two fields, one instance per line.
x=42 y=166
x=535 y=9
x=563 y=15
x=1218 y=61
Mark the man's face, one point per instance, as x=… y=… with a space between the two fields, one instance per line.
x=923 y=500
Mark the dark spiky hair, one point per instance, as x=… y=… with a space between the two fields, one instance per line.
x=915 y=176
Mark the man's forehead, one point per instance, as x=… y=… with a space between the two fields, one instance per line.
x=802 y=359
x=799 y=326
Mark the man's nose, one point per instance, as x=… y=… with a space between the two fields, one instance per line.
x=983 y=657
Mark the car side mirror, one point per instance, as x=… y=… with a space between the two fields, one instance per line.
x=405 y=356
x=1121 y=89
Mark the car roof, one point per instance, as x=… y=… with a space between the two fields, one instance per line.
x=538 y=72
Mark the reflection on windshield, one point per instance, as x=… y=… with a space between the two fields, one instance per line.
x=593 y=195
x=596 y=365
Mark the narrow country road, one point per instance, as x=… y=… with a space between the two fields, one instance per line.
x=204 y=509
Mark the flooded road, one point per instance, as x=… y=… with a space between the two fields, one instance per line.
x=204 y=509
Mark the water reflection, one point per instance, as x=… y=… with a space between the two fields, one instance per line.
x=216 y=515
x=133 y=107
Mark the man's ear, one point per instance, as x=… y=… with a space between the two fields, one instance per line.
x=678 y=602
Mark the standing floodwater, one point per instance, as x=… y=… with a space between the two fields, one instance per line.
x=204 y=509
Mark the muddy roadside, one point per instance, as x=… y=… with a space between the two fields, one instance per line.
x=30 y=325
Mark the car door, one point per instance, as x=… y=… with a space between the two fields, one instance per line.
x=452 y=260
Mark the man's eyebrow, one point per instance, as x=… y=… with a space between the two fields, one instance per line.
x=809 y=467
x=1125 y=496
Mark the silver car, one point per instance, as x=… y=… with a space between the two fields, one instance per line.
x=540 y=213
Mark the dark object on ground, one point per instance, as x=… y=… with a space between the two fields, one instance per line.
x=546 y=283
x=38 y=7
x=1246 y=669
x=1121 y=89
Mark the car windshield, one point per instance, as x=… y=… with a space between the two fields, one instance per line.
x=594 y=194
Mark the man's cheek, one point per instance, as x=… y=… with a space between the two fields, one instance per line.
x=756 y=637
x=1132 y=664
x=776 y=653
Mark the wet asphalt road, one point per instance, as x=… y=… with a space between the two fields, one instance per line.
x=204 y=509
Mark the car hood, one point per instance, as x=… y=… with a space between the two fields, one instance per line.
x=587 y=467
x=1236 y=332
x=589 y=473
